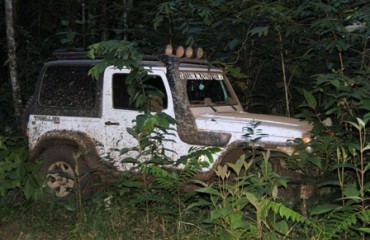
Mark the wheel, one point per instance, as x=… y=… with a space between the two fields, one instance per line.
x=65 y=172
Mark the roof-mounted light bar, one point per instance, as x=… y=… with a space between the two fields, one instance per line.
x=182 y=52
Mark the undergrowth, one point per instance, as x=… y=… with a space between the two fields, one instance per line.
x=244 y=202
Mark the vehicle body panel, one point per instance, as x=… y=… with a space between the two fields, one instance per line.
x=107 y=126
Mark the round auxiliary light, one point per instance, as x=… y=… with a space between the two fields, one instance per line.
x=180 y=51
x=199 y=53
x=306 y=138
x=169 y=49
x=189 y=52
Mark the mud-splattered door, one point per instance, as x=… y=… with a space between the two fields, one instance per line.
x=119 y=114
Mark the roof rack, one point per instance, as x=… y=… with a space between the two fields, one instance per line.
x=69 y=55
x=83 y=55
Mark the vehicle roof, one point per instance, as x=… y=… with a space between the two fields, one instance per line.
x=90 y=62
x=148 y=61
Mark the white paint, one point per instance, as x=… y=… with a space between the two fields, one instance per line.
x=110 y=138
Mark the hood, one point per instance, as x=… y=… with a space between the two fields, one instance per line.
x=272 y=129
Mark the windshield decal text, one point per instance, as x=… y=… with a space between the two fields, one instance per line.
x=201 y=76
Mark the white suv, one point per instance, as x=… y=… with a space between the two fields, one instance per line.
x=70 y=112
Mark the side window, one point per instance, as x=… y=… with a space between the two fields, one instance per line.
x=68 y=87
x=121 y=97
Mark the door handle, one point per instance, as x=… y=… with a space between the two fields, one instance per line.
x=111 y=123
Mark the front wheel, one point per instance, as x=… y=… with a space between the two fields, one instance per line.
x=65 y=172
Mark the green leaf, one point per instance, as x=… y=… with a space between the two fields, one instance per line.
x=351 y=191
x=310 y=99
x=70 y=207
x=220 y=213
x=129 y=160
x=150 y=124
x=366 y=230
x=65 y=40
x=210 y=191
x=252 y=199
x=236 y=217
x=353 y=147
x=234 y=43
x=361 y=123
x=31 y=187
x=200 y=203
x=94 y=72
x=201 y=183
x=132 y=132
x=331 y=110
x=65 y=22
x=335 y=83
x=125 y=150
x=365 y=215
x=366 y=116
x=226 y=235
x=281 y=227
x=235 y=71
x=237 y=166
x=240 y=203
x=357 y=126
x=133 y=184
x=261 y=31
x=324 y=209
x=247 y=164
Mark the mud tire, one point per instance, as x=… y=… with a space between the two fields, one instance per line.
x=66 y=173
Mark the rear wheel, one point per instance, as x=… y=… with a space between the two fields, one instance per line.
x=65 y=172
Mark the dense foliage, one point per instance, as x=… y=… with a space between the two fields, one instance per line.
x=270 y=48
x=303 y=58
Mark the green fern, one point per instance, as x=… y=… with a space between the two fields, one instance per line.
x=155 y=171
x=343 y=221
x=365 y=216
x=286 y=212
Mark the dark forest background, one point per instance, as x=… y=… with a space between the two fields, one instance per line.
x=301 y=58
x=270 y=49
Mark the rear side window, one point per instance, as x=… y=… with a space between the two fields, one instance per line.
x=68 y=87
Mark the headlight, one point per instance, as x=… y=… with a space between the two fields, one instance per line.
x=306 y=138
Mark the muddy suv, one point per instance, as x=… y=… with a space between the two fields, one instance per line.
x=71 y=113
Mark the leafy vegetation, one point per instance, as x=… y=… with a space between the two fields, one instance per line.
x=304 y=58
x=18 y=177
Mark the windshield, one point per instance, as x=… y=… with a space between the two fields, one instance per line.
x=206 y=88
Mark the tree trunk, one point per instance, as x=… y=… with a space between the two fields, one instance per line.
x=105 y=33
x=127 y=5
x=12 y=58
